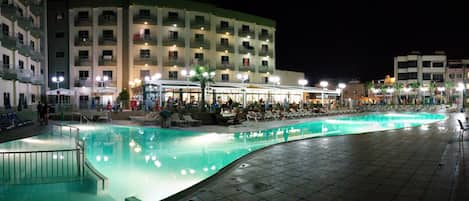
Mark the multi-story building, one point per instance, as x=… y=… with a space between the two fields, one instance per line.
x=423 y=69
x=128 y=42
x=22 y=52
x=456 y=70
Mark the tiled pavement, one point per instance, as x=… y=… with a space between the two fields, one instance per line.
x=421 y=163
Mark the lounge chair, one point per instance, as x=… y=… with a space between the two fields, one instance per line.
x=5 y=123
x=151 y=117
x=193 y=122
x=175 y=120
x=17 y=121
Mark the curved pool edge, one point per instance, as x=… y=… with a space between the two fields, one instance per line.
x=192 y=189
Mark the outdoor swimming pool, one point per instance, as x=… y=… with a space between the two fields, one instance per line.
x=153 y=163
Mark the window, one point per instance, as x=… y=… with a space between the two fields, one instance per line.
x=32 y=44
x=20 y=11
x=59 y=35
x=265 y=63
x=199 y=37
x=146 y=34
x=108 y=73
x=173 y=55
x=173 y=35
x=144 y=53
x=402 y=76
x=83 y=54
x=108 y=34
x=173 y=15
x=83 y=35
x=224 y=24
x=6 y=100
x=246 y=44
x=438 y=64
x=459 y=75
x=438 y=77
x=199 y=18
x=173 y=75
x=42 y=71
x=20 y=38
x=266 y=80
x=83 y=15
x=59 y=54
x=402 y=64
x=412 y=64
x=264 y=32
x=199 y=56
x=20 y=64
x=245 y=27
x=224 y=41
x=144 y=12
x=245 y=61
x=58 y=74
x=451 y=76
x=264 y=48
x=6 y=61
x=108 y=13
x=412 y=76
x=59 y=16
x=225 y=59
x=83 y=74
x=33 y=69
x=426 y=63
x=426 y=76
x=107 y=54
x=5 y=30
x=144 y=73
x=225 y=77
x=33 y=98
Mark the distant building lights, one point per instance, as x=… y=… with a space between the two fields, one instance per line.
x=145 y=23
x=227 y=33
x=201 y=48
x=226 y=51
x=267 y=40
x=202 y=28
x=175 y=25
x=146 y=44
x=249 y=37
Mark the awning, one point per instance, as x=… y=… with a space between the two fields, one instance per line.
x=60 y=91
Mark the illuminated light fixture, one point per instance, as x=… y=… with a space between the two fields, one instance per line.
x=375 y=90
x=249 y=37
x=302 y=82
x=174 y=66
x=98 y=158
x=132 y=143
x=342 y=85
x=323 y=84
x=226 y=51
x=213 y=167
x=183 y=172
x=249 y=54
x=202 y=28
x=191 y=171
x=146 y=44
x=423 y=89
x=390 y=90
x=267 y=57
x=157 y=163
x=146 y=65
x=407 y=89
x=105 y=158
x=440 y=89
x=267 y=40
x=205 y=169
x=227 y=33
x=227 y=69
x=138 y=149
x=201 y=48
x=175 y=25
x=145 y=23
x=174 y=46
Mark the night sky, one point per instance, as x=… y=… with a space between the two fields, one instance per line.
x=358 y=40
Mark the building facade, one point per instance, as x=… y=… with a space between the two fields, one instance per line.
x=127 y=42
x=423 y=69
x=22 y=53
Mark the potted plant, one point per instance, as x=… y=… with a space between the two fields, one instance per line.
x=165 y=118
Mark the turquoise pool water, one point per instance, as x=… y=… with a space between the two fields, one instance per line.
x=153 y=163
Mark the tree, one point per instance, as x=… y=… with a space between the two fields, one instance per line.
x=204 y=76
x=415 y=85
x=368 y=86
x=124 y=97
x=431 y=88
x=398 y=86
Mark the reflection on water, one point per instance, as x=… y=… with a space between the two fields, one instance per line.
x=152 y=163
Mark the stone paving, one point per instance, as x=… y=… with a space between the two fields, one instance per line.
x=420 y=163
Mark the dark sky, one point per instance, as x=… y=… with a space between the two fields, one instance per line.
x=358 y=39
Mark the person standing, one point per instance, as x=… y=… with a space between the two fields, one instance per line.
x=45 y=113
x=39 y=112
x=230 y=104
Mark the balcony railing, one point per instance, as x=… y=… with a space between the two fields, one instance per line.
x=9 y=72
x=37 y=32
x=9 y=11
x=171 y=21
x=107 y=61
x=107 y=41
x=37 y=79
x=107 y=84
x=8 y=41
x=265 y=69
x=250 y=67
x=36 y=55
x=246 y=33
x=83 y=41
x=37 y=8
x=82 y=61
x=200 y=62
x=245 y=50
x=107 y=20
x=200 y=43
x=265 y=37
x=25 y=23
x=224 y=47
x=264 y=53
x=24 y=75
x=145 y=40
x=200 y=24
x=173 y=62
x=179 y=42
x=223 y=66
x=224 y=30
x=83 y=21
x=83 y=82
x=145 y=61
x=145 y=19
x=23 y=49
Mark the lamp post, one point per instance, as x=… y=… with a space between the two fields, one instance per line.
x=243 y=78
x=461 y=89
x=323 y=84
x=58 y=80
x=302 y=82
x=341 y=89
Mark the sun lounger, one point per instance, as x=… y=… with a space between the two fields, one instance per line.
x=193 y=122
x=175 y=120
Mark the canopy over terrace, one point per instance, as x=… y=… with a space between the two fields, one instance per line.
x=223 y=91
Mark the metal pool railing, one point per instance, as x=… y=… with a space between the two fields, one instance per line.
x=24 y=167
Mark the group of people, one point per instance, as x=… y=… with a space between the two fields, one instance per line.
x=43 y=113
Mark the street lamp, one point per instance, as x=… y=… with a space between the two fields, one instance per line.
x=302 y=82
x=461 y=88
x=323 y=84
x=102 y=79
x=58 y=80
x=243 y=78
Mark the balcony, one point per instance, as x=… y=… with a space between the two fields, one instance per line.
x=266 y=69
x=145 y=40
x=225 y=47
x=224 y=30
x=37 y=8
x=36 y=55
x=9 y=72
x=173 y=62
x=9 y=11
x=251 y=68
x=23 y=49
x=179 y=42
x=246 y=33
x=200 y=24
x=264 y=53
x=107 y=61
x=25 y=23
x=106 y=41
x=24 y=75
x=83 y=21
x=265 y=37
x=82 y=61
x=152 y=61
x=171 y=21
x=200 y=43
x=246 y=49
x=107 y=20
x=37 y=79
x=8 y=41
x=200 y=62
x=145 y=19
x=224 y=66
x=83 y=41
x=37 y=32
x=83 y=82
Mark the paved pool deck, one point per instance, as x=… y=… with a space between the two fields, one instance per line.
x=420 y=163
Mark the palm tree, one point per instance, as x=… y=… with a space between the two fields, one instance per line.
x=204 y=76
x=398 y=86
x=431 y=88
x=415 y=85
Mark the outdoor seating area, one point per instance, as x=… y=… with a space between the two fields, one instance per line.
x=407 y=108
x=185 y=120
x=11 y=120
x=295 y=113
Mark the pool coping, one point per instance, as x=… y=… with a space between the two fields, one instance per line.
x=192 y=189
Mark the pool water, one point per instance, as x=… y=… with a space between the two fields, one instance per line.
x=153 y=163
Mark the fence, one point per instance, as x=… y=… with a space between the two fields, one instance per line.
x=25 y=167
